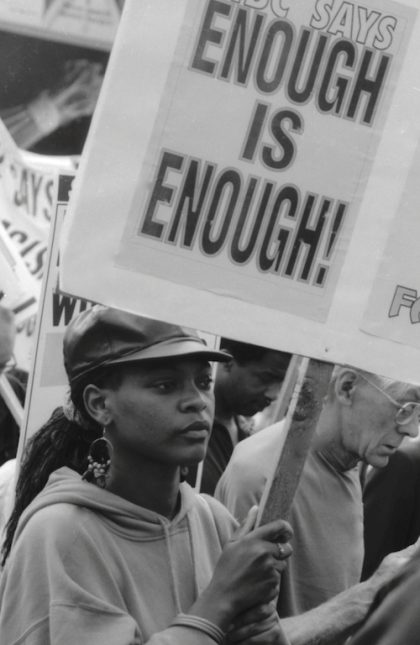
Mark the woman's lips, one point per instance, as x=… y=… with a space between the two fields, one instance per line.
x=197 y=429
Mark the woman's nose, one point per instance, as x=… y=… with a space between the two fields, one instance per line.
x=194 y=398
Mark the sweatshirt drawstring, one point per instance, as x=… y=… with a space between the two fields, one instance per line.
x=193 y=557
x=171 y=567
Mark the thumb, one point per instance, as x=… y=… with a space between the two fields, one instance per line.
x=249 y=523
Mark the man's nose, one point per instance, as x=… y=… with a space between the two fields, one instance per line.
x=410 y=429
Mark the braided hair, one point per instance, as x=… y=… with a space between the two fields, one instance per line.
x=61 y=441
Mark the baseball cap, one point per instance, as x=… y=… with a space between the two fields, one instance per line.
x=102 y=336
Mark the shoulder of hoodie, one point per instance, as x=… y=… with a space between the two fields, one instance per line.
x=58 y=525
x=223 y=518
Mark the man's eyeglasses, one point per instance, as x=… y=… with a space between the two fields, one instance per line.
x=406 y=412
x=9 y=365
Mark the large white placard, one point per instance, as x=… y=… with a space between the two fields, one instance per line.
x=243 y=177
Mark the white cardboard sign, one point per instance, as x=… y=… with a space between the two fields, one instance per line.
x=237 y=178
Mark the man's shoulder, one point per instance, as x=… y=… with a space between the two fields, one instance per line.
x=243 y=481
x=261 y=443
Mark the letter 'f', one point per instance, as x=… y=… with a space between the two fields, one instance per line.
x=403 y=297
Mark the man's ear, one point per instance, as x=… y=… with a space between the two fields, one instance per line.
x=95 y=403
x=345 y=383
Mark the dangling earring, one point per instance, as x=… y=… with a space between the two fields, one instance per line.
x=183 y=473
x=99 y=461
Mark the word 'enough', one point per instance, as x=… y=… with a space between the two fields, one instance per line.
x=342 y=78
x=192 y=204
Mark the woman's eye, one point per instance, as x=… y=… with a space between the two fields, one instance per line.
x=165 y=386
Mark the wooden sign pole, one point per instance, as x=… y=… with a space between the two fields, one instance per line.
x=302 y=418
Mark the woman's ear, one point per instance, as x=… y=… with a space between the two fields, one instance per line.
x=94 y=399
x=345 y=384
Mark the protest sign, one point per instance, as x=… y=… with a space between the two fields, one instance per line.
x=92 y=23
x=18 y=289
x=246 y=162
x=47 y=383
x=28 y=183
x=26 y=201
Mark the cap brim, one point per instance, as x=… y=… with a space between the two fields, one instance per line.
x=174 y=348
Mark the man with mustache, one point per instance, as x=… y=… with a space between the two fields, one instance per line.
x=245 y=385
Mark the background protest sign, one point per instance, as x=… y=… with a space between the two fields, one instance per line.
x=76 y=21
x=28 y=184
x=18 y=289
x=244 y=168
x=47 y=381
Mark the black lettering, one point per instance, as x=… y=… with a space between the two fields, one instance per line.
x=160 y=193
x=239 y=53
x=21 y=195
x=326 y=104
x=209 y=34
x=36 y=184
x=38 y=268
x=303 y=95
x=307 y=237
x=49 y=186
x=370 y=86
x=285 y=142
x=278 y=29
x=255 y=131
x=190 y=203
x=241 y=253
x=63 y=306
x=228 y=185
x=288 y=197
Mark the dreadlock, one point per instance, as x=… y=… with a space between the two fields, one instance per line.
x=58 y=443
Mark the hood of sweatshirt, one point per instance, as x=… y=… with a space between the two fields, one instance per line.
x=65 y=486
x=112 y=556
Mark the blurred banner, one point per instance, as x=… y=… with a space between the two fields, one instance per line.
x=250 y=189
x=90 y=22
x=19 y=291
x=47 y=382
x=28 y=183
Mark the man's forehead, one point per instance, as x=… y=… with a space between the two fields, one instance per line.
x=275 y=363
x=410 y=392
x=401 y=390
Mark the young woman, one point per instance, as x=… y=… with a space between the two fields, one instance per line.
x=114 y=548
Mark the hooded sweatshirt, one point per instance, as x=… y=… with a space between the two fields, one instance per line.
x=88 y=566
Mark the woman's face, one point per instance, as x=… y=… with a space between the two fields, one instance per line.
x=162 y=411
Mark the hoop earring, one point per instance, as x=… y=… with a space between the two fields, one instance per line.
x=99 y=461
